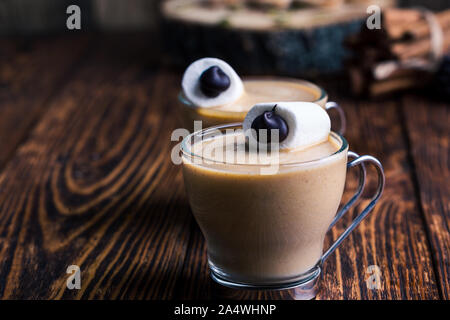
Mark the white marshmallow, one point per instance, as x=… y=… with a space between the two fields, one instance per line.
x=191 y=83
x=308 y=123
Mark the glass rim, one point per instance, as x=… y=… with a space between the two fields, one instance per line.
x=323 y=94
x=186 y=152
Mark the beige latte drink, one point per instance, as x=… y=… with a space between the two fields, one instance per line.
x=256 y=90
x=264 y=228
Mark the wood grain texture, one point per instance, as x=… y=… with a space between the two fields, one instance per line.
x=93 y=186
x=31 y=71
x=429 y=137
x=392 y=236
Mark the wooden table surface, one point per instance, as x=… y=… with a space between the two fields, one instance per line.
x=86 y=179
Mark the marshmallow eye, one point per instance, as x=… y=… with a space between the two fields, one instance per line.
x=306 y=123
x=210 y=82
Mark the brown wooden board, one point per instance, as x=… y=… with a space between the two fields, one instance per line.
x=428 y=129
x=393 y=236
x=31 y=71
x=93 y=186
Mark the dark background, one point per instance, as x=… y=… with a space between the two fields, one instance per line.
x=27 y=17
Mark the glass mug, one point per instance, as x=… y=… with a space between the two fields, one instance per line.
x=189 y=112
x=267 y=231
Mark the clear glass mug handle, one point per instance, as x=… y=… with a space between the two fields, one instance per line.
x=343 y=121
x=361 y=161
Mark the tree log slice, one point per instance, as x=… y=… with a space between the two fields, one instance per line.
x=295 y=42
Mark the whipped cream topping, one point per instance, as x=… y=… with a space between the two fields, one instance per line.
x=308 y=123
x=192 y=89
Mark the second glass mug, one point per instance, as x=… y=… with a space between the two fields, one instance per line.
x=249 y=245
x=189 y=112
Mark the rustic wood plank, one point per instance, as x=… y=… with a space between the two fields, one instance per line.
x=31 y=71
x=392 y=237
x=94 y=186
x=427 y=124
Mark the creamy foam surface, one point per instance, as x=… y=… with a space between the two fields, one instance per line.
x=258 y=91
x=233 y=150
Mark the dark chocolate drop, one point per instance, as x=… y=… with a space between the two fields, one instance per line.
x=214 y=81
x=269 y=120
